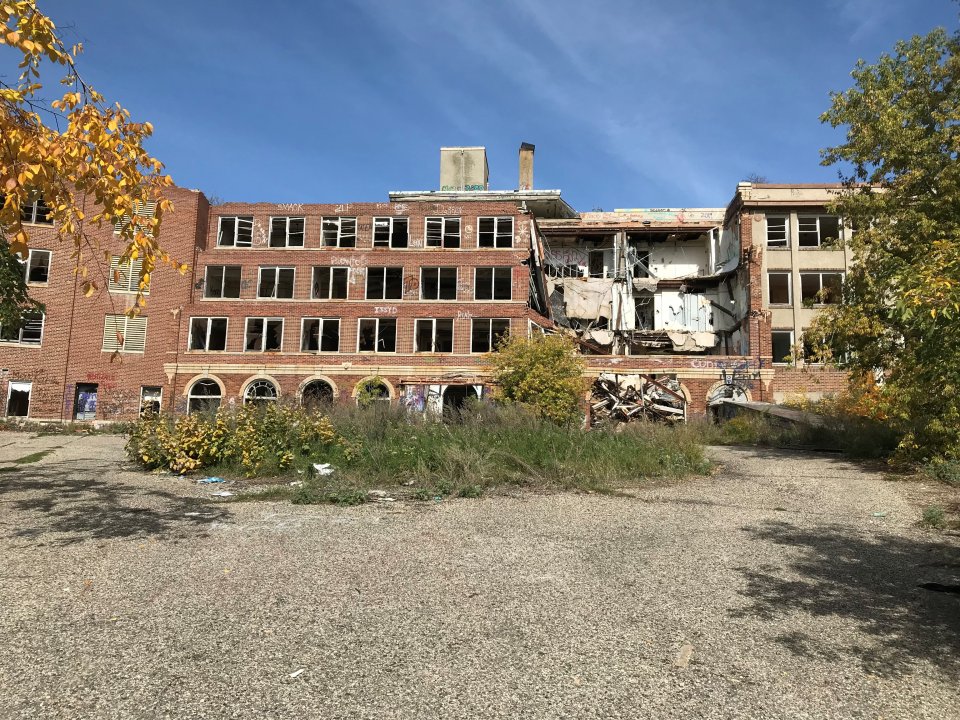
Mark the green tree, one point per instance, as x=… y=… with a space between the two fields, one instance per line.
x=544 y=372
x=901 y=299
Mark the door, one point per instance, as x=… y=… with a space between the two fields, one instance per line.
x=85 y=403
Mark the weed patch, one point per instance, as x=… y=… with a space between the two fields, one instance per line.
x=35 y=457
x=934 y=517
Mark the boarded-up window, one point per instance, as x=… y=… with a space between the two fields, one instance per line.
x=124 y=334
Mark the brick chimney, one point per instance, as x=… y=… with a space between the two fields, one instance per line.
x=526 y=166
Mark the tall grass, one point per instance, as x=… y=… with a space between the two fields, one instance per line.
x=482 y=448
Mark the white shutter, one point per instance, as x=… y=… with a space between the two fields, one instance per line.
x=148 y=210
x=124 y=334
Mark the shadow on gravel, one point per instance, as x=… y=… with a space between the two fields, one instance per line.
x=63 y=507
x=872 y=583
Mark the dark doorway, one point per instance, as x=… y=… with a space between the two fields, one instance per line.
x=85 y=402
x=18 y=399
x=317 y=394
x=456 y=396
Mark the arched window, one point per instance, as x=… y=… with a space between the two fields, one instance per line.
x=316 y=394
x=260 y=391
x=204 y=396
x=372 y=391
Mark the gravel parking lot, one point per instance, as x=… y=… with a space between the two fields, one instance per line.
x=786 y=586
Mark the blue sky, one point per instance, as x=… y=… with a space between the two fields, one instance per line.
x=630 y=104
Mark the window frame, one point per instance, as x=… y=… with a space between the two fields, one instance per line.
x=206 y=343
x=376 y=333
x=263 y=333
x=223 y=280
x=391 y=220
x=29 y=263
x=191 y=396
x=338 y=219
x=497 y=219
x=31 y=217
x=366 y=289
x=330 y=283
x=820 y=273
x=786 y=232
x=323 y=321
x=819 y=230
x=789 y=275
x=286 y=232
x=433 y=335
x=27 y=318
x=159 y=388
x=491 y=341
x=261 y=382
x=236 y=231
x=442 y=242
x=792 y=355
x=493 y=283
x=439 y=269
x=276 y=281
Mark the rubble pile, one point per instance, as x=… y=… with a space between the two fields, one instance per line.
x=622 y=398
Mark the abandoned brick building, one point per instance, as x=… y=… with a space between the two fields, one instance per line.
x=312 y=301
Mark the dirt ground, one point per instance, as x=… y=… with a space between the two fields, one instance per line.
x=785 y=586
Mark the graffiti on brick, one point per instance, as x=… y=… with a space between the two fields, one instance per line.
x=411 y=285
x=290 y=207
x=347 y=261
x=385 y=310
x=400 y=208
x=464 y=314
x=340 y=209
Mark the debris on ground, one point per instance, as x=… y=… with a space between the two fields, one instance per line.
x=623 y=398
x=210 y=480
x=323 y=468
x=684 y=655
x=223 y=493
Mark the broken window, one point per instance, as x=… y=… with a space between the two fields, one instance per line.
x=377 y=335
x=38 y=266
x=125 y=277
x=778 y=285
x=495 y=232
x=150 y=396
x=124 y=334
x=222 y=281
x=263 y=335
x=487 y=333
x=286 y=231
x=329 y=283
x=392 y=232
x=37 y=212
x=782 y=342
x=820 y=288
x=643 y=311
x=208 y=333
x=595 y=264
x=260 y=391
x=384 y=283
x=235 y=231
x=777 y=231
x=433 y=336
x=276 y=283
x=320 y=335
x=339 y=231
x=493 y=283
x=817 y=230
x=641 y=266
x=30 y=331
x=443 y=232
x=438 y=283
x=204 y=396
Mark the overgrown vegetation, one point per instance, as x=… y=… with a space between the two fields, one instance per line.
x=543 y=373
x=485 y=447
x=934 y=517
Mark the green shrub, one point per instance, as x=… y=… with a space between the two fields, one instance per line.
x=543 y=373
x=934 y=517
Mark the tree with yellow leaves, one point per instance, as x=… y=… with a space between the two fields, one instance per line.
x=73 y=152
